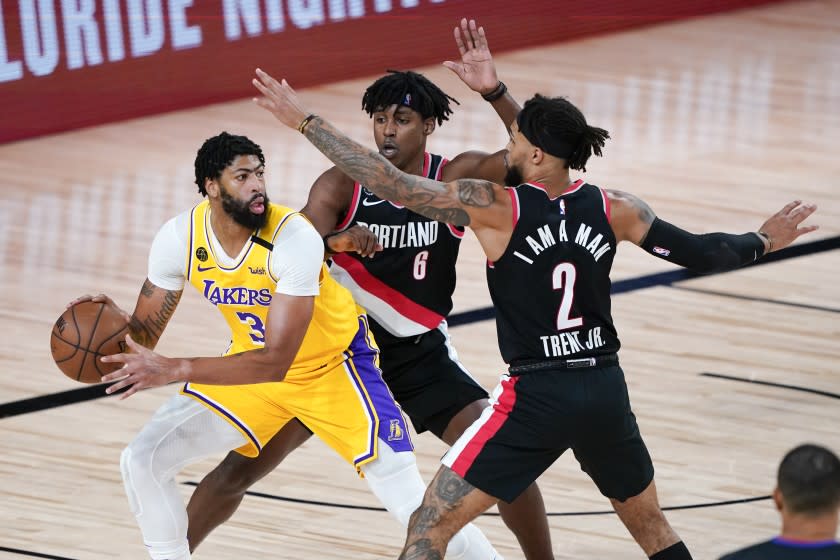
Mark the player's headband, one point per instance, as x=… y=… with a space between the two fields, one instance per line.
x=558 y=147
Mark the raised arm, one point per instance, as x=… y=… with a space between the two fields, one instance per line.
x=634 y=221
x=479 y=204
x=478 y=71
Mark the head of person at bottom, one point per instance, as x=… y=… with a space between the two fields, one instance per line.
x=808 y=491
x=405 y=108
x=549 y=137
x=229 y=170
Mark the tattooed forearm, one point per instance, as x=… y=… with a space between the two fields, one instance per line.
x=423 y=549
x=147 y=330
x=454 y=216
x=427 y=197
x=473 y=192
x=148 y=289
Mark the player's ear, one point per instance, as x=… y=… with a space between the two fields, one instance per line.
x=212 y=187
x=537 y=155
x=428 y=126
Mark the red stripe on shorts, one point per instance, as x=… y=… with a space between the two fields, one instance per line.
x=501 y=410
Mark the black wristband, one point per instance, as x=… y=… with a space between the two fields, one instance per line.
x=500 y=90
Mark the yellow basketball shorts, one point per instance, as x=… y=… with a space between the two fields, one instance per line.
x=345 y=403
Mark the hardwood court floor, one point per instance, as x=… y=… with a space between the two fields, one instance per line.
x=716 y=122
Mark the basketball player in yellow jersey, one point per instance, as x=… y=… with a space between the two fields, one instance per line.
x=300 y=349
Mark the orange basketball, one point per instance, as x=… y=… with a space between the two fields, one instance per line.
x=83 y=334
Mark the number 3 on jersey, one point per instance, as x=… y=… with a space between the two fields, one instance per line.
x=257 y=327
x=563 y=279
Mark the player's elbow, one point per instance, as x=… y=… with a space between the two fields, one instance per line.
x=274 y=364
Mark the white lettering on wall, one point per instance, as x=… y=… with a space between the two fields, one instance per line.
x=339 y=9
x=306 y=13
x=183 y=36
x=9 y=69
x=145 y=24
x=238 y=12
x=40 y=40
x=113 y=30
x=274 y=16
x=81 y=35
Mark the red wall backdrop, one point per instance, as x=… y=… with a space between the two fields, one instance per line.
x=66 y=64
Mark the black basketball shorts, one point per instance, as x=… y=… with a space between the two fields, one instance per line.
x=536 y=417
x=425 y=377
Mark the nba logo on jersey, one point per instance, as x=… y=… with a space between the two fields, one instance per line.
x=395 y=433
x=562 y=207
x=660 y=251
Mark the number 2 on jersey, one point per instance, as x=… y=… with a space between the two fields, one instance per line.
x=563 y=279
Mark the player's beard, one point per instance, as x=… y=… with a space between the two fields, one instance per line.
x=240 y=210
x=513 y=177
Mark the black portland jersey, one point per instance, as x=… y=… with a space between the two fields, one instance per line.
x=407 y=287
x=551 y=287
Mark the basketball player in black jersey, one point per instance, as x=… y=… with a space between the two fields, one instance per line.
x=807 y=495
x=550 y=241
x=406 y=288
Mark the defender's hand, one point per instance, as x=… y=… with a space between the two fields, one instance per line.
x=476 y=68
x=279 y=99
x=783 y=227
x=357 y=239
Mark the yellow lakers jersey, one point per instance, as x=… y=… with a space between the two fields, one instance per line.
x=243 y=292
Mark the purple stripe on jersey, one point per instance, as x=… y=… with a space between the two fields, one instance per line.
x=393 y=428
x=225 y=413
x=803 y=544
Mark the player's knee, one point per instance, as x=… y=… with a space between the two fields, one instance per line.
x=232 y=477
x=390 y=463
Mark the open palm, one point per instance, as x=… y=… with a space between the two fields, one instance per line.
x=476 y=68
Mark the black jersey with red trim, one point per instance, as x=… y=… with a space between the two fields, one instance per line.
x=407 y=287
x=551 y=287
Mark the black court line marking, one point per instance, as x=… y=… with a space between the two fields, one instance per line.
x=33 y=554
x=772 y=384
x=74 y=396
x=759 y=299
x=492 y=514
x=54 y=400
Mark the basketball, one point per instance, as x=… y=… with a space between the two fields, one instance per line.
x=83 y=334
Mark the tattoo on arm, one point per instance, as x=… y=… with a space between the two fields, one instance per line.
x=422 y=549
x=147 y=330
x=425 y=196
x=451 y=488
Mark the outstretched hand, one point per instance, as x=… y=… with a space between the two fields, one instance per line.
x=476 y=68
x=143 y=369
x=783 y=227
x=279 y=99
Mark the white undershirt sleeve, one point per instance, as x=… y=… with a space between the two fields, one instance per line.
x=168 y=255
x=297 y=258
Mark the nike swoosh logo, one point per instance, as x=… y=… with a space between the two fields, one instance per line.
x=205 y=268
x=369 y=202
